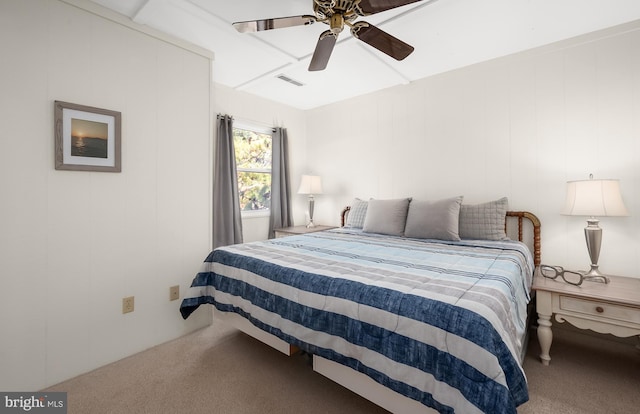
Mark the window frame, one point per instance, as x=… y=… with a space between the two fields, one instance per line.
x=248 y=126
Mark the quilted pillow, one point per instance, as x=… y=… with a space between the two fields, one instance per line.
x=386 y=216
x=357 y=213
x=434 y=219
x=484 y=221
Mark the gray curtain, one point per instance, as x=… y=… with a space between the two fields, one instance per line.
x=280 y=183
x=227 y=222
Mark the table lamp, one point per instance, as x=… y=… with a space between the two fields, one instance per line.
x=310 y=184
x=594 y=198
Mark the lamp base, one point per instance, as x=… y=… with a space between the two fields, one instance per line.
x=594 y=275
x=311 y=203
x=593 y=236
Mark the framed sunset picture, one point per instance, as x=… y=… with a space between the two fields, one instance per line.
x=86 y=138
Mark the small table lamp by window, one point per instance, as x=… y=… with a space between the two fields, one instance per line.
x=310 y=184
x=594 y=198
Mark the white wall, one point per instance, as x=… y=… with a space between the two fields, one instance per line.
x=519 y=126
x=262 y=112
x=73 y=244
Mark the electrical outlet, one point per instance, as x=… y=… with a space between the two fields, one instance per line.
x=127 y=304
x=174 y=292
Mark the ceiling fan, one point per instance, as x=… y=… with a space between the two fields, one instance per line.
x=337 y=14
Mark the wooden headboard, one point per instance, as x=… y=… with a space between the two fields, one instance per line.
x=520 y=215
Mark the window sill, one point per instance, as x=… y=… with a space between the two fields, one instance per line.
x=254 y=214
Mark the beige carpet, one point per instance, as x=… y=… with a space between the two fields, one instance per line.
x=219 y=370
x=587 y=375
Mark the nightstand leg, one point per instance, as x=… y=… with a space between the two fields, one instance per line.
x=545 y=337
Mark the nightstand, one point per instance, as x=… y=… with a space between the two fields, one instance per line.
x=291 y=231
x=612 y=308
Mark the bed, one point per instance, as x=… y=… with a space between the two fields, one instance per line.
x=415 y=324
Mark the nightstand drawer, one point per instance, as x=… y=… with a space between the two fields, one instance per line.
x=600 y=309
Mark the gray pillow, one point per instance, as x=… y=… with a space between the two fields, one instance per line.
x=357 y=213
x=484 y=221
x=386 y=216
x=434 y=219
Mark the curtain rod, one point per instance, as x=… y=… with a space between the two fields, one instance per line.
x=250 y=122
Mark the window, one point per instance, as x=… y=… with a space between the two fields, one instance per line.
x=253 y=163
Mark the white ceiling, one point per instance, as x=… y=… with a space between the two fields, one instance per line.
x=447 y=34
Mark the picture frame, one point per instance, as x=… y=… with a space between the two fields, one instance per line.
x=87 y=138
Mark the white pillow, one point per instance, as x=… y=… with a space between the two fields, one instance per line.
x=386 y=216
x=434 y=219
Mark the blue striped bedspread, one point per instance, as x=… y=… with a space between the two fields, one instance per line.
x=439 y=322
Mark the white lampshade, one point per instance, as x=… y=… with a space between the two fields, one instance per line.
x=310 y=184
x=594 y=198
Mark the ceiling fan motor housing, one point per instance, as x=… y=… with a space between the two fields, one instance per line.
x=327 y=8
x=325 y=4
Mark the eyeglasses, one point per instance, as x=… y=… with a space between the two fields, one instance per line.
x=552 y=272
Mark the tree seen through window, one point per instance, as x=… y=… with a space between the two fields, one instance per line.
x=253 y=163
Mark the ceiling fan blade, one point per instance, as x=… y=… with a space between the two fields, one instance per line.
x=321 y=55
x=270 y=24
x=376 y=6
x=381 y=40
